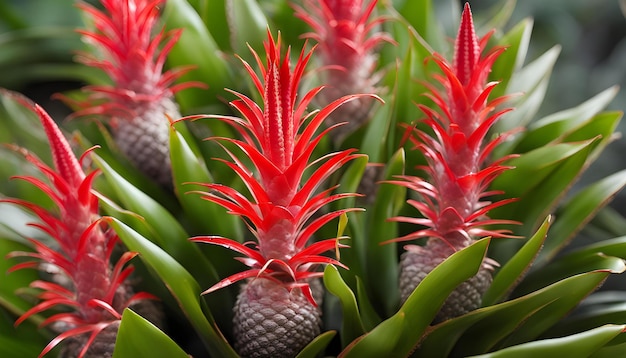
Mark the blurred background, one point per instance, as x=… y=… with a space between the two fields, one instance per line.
x=37 y=43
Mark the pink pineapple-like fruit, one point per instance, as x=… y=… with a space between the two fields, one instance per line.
x=140 y=100
x=459 y=170
x=347 y=35
x=96 y=292
x=276 y=313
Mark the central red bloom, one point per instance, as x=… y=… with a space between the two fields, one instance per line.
x=456 y=151
x=279 y=139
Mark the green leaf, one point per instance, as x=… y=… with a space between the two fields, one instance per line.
x=515 y=269
x=578 y=211
x=516 y=41
x=213 y=13
x=181 y=284
x=381 y=260
x=137 y=337
x=557 y=126
x=352 y=327
x=317 y=345
x=165 y=230
x=532 y=81
x=187 y=169
x=483 y=329
x=577 y=345
x=602 y=307
x=398 y=335
x=548 y=173
x=421 y=16
x=248 y=26
x=196 y=47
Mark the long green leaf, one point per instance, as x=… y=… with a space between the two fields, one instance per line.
x=398 y=335
x=317 y=346
x=196 y=47
x=137 y=337
x=513 y=271
x=352 y=326
x=165 y=230
x=577 y=345
x=578 y=211
x=481 y=330
x=181 y=284
x=381 y=260
x=187 y=169
x=561 y=124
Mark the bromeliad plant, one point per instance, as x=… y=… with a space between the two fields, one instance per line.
x=272 y=164
x=140 y=98
x=347 y=36
x=279 y=139
x=85 y=281
x=460 y=169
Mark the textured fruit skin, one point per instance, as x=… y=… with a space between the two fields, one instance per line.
x=144 y=139
x=271 y=321
x=102 y=347
x=417 y=262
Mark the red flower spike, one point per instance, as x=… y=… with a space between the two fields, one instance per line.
x=141 y=97
x=279 y=140
x=454 y=204
x=97 y=296
x=457 y=153
x=346 y=35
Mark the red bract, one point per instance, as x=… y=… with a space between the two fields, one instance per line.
x=346 y=35
x=279 y=140
x=141 y=97
x=97 y=296
x=454 y=205
x=133 y=57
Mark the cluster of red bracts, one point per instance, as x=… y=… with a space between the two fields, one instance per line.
x=278 y=137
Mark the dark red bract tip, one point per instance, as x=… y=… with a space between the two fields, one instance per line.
x=467 y=48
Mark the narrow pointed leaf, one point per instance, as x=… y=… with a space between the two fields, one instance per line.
x=137 y=337
x=182 y=286
x=381 y=261
x=480 y=330
x=514 y=270
x=317 y=345
x=577 y=345
x=410 y=323
x=352 y=327
x=211 y=68
x=187 y=168
x=578 y=211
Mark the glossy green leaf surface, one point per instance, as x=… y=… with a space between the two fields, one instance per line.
x=352 y=327
x=181 y=284
x=516 y=41
x=548 y=173
x=561 y=124
x=514 y=270
x=530 y=85
x=381 y=261
x=137 y=337
x=165 y=230
x=188 y=169
x=578 y=211
x=210 y=66
x=486 y=328
x=578 y=345
x=317 y=346
x=398 y=335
